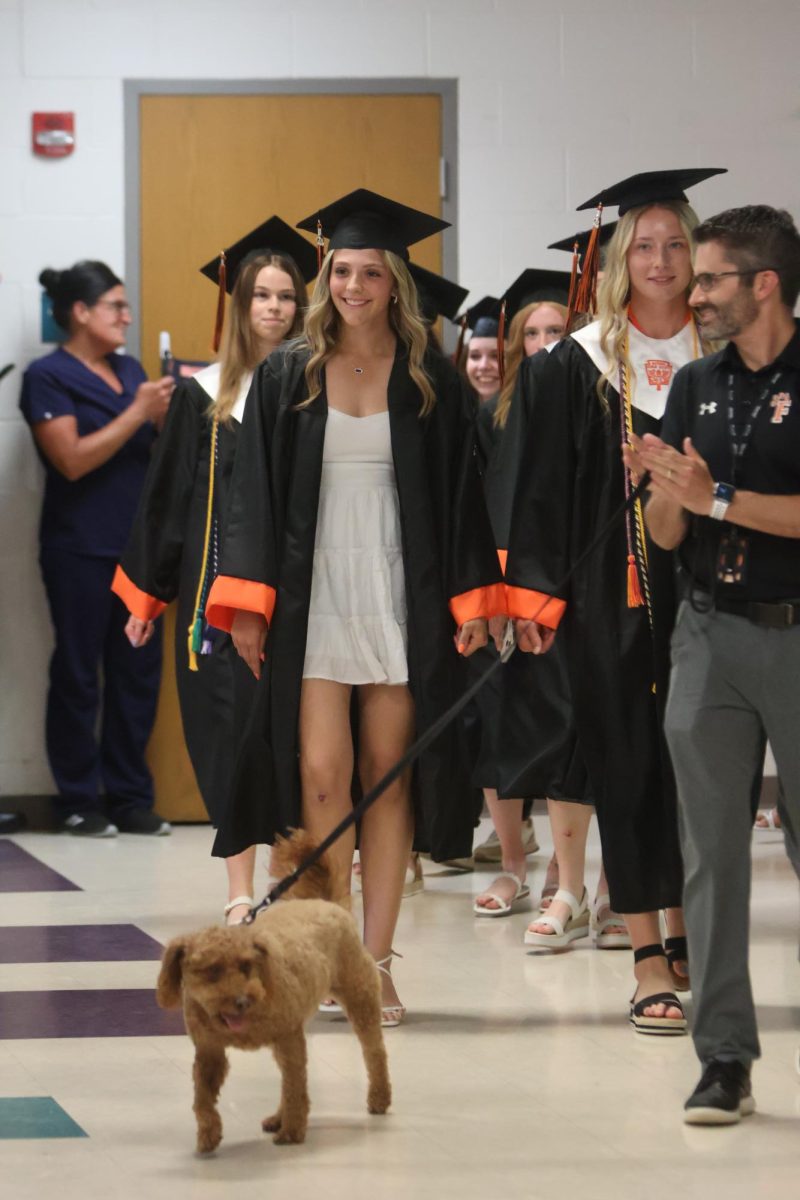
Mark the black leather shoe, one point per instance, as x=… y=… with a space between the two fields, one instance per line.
x=722 y=1097
x=12 y=823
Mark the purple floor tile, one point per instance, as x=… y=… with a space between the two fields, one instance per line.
x=21 y=872
x=77 y=943
x=123 y=1012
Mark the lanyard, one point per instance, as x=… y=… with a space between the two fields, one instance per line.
x=740 y=436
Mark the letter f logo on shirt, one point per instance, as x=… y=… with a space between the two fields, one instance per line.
x=780 y=406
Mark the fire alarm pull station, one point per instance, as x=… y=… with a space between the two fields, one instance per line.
x=53 y=134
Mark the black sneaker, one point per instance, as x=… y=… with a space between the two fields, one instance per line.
x=143 y=820
x=91 y=824
x=722 y=1097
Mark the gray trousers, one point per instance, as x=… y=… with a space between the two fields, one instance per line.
x=732 y=683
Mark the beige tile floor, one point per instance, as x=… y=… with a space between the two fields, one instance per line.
x=516 y=1076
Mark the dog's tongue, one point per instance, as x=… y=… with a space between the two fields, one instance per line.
x=234 y=1021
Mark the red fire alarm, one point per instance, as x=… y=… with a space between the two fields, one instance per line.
x=53 y=134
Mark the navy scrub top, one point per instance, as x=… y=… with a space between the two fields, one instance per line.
x=92 y=515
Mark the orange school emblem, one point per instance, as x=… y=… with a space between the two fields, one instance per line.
x=659 y=372
x=781 y=403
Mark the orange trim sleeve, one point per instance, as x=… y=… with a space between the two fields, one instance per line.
x=526 y=605
x=138 y=603
x=483 y=602
x=229 y=596
x=503 y=556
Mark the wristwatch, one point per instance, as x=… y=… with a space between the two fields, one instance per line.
x=723 y=494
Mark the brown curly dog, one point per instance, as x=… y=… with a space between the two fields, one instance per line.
x=256 y=985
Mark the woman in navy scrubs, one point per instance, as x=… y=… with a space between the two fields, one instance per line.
x=94 y=418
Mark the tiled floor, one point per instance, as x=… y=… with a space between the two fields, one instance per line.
x=516 y=1076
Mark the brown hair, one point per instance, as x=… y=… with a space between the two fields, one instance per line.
x=515 y=352
x=240 y=351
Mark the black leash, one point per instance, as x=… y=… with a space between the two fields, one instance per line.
x=439 y=726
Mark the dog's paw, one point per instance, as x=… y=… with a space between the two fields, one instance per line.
x=378 y=1100
x=209 y=1137
x=289 y=1137
x=272 y=1124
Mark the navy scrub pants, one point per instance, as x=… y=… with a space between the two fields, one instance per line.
x=96 y=738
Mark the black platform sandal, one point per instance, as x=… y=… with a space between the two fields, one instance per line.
x=677 y=951
x=656 y=1026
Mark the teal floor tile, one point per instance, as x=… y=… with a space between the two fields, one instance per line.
x=35 y=1117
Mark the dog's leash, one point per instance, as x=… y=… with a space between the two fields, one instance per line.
x=438 y=727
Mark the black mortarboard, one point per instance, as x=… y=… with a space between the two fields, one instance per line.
x=274 y=235
x=437 y=296
x=483 y=317
x=568 y=243
x=651 y=187
x=534 y=284
x=365 y=220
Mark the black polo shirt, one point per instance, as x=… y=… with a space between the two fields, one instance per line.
x=698 y=408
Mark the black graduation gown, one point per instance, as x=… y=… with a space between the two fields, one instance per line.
x=537 y=740
x=163 y=561
x=267 y=559
x=618 y=667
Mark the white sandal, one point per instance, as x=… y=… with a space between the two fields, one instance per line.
x=234 y=903
x=504 y=907
x=612 y=920
x=577 y=926
x=770 y=815
x=391 y=1014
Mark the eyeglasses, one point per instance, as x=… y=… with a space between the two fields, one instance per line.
x=706 y=280
x=120 y=306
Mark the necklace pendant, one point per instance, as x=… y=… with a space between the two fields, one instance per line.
x=358 y=370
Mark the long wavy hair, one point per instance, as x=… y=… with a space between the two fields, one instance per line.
x=614 y=291
x=323 y=325
x=240 y=351
x=515 y=352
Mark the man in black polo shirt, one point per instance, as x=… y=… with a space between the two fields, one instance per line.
x=725 y=490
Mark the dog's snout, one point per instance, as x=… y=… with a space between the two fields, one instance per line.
x=242 y=1002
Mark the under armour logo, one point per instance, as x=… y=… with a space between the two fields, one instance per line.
x=711 y=407
x=781 y=405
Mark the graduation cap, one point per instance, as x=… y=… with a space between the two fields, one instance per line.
x=437 y=296
x=273 y=236
x=536 y=284
x=486 y=318
x=365 y=220
x=651 y=187
x=581 y=240
x=482 y=317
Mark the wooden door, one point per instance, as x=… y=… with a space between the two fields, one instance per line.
x=214 y=167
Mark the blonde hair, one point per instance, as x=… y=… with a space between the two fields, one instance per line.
x=614 y=291
x=323 y=324
x=240 y=351
x=515 y=352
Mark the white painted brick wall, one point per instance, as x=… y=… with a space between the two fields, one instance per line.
x=557 y=98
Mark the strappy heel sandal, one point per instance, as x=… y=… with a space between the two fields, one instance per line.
x=391 y=1014
x=677 y=951
x=234 y=903
x=604 y=940
x=656 y=1026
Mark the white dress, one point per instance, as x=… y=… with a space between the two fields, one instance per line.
x=357 y=614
